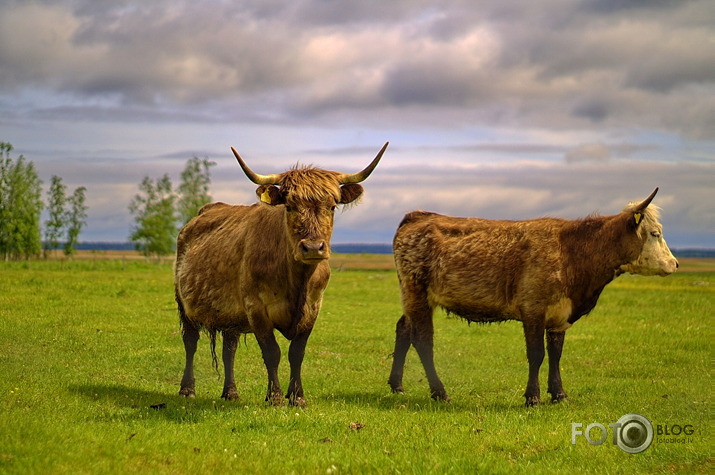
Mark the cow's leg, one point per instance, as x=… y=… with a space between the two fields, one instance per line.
x=190 y=335
x=230 y=341
x=402 y=345
x=271 y=357
x=423 y=342
x=534 y=333
x=554 y=345
x=296 y=353
x=422 y=336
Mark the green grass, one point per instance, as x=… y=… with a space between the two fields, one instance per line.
x=86 y=348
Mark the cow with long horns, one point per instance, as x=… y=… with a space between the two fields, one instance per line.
x=546 y=273
x=260 y=268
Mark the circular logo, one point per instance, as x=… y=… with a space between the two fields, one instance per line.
x=635 y=433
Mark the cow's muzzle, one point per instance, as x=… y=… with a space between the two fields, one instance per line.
x=313 y=250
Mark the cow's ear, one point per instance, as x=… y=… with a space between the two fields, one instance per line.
x=350 y=192
x=637 y=211
x=269 y=194
x=635 y=219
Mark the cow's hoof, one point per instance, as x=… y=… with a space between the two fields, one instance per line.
x=440 y=396
x=558 y=397
x=532 y=401
x=187 y=392
x=230 y=395
x=397 y=389
x=298 y=402
x=275 y=399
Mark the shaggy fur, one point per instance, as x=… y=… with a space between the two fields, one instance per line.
x=257 y=269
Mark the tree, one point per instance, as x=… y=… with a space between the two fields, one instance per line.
x=20 y=206
x=194 y=188
x=5 y=205
x=75 y=218
x=153 y=209
x=55 y=224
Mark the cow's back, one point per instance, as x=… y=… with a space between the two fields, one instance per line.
x=202 y=234
x=477 y=268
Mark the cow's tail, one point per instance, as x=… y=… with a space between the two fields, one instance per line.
x=214 y=359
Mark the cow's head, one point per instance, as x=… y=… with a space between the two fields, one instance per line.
x=309 y=196
x=655 y=257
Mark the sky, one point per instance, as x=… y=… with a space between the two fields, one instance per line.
x=505 y=110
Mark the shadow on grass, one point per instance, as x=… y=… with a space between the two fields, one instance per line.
x=114 y=402
x=117 y=402
x=414 y=402
x=495 y=402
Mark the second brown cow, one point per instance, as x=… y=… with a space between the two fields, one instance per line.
x=546 y=273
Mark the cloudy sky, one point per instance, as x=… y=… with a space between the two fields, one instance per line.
x=495 y=109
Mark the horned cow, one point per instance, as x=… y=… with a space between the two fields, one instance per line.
x=260 y=268
x=546 y=273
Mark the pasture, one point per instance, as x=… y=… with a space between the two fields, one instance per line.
x=91 y=359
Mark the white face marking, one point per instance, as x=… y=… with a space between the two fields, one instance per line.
x=655 y=257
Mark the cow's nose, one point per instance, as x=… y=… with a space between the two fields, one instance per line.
x=313 y=249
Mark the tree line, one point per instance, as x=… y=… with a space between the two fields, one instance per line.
x=160 y=210
x=21 y=207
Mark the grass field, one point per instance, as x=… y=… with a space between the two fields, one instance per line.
x=91 y=359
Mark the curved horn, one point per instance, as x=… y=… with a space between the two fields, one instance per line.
x=360 y=176
x=644 y=204
x=253 y=176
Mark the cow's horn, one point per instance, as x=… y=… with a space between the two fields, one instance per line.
x=360 y=176
x=644 y=204
x=253 y=176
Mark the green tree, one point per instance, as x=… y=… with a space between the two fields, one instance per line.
x=6 y=164
x=194 y=188
x=155 y=217
x=20 y=206
x=55 y=224
x=75 y=218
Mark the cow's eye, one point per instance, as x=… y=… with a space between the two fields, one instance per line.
x=655 y=234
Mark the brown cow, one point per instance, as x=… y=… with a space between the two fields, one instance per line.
x=546 y=273
x=253 y=269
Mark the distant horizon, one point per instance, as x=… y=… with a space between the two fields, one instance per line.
x=365 y=247
x=348 y=243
